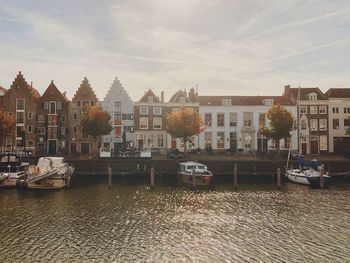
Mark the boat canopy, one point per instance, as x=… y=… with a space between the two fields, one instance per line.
x=50 y=162
x=307 y=163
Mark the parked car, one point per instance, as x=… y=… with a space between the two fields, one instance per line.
x=174 y=153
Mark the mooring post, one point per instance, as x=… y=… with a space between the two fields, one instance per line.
x=193 y=179
x=109 y=177
x=322 y=177
x=152 y=177
x=235 y=176
x=279 y=178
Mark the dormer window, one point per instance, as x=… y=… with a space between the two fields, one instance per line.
x=226 y=102
x=150 y=99
x=313 y=96
x=182 y=99
x=268 y=102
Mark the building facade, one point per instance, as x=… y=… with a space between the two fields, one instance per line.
x=2 y=95
x=339 y=119
x=52 y=122
x=233 y=123
x=21 y=101
x=80 y=143
x=121 y=109
x=312 y=107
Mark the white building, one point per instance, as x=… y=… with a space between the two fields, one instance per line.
x=233 y=122
x=339 y=119
x=121 y=108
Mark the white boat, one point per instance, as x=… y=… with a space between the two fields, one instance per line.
x=193 y=170
x=50 y=173
x=12 y=169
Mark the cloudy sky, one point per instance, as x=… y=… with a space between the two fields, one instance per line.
x=233 y=47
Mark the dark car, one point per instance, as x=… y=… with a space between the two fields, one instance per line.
x=174 y=153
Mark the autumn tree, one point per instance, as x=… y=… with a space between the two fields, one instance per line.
x=7 y=123
x=184 y=124
x=95 y=122
x=281 y=123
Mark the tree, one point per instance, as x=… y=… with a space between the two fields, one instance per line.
x=281 y=123
x=7 y=123
x=95 y=122
x=184 y=124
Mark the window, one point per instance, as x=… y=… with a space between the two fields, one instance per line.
x=182 y=99
x=323 y=143
x=322 y=109
x=30 y=143
x=160 y=140
x=303 y=124
x=268 y=102
x=262 y=121
x=41 y=130
x=143 y=123
x=118 y=106
x=226 y=102
x=144 y=110
x=313 y=96
x=128 y=128
x=207 y=140
x=52 y=107
x=157 y=111
x=221 y=140
x=313 y=109
x=247 y=119
x=303 y=110
x=233 y=119
x=207 y=119
x=19 y=104
x=346 y=110
x=75 y=116
x=175 y=109
x=74 y=129
x=313 y=125
x=117 y=132
x=59 y=105
x=157 y=123
x=323 y=124
x=220 y=119
x=335 y=124
x=20 y=117
x=46 y=105
x=346 y=123
x=30 y=115
x=150 y=141
x=150 y=99
x=127 y=116
x=63 y=118
x=335 y=110
x=51 y=120
x=117 y=119
x=30 y=129
x=63 y=130
x=52 y=133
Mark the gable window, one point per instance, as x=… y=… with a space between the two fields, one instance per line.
x=322 y=109
x=182 y=99
x=226 y=102
x=313 y=109
x=144 y=110
x=150 y=99
x=313 y=96
x=118 y=106
x=157 y=111
x=268 y=102
x=59 y=105
x=52 y=107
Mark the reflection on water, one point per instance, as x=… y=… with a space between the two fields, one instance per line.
x=131 y=223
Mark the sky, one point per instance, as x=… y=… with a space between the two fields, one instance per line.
x=224 y=47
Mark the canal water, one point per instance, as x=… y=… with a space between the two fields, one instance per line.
x=131 y=223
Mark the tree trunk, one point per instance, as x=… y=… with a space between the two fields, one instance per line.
x=278 y=147
x=185 y=145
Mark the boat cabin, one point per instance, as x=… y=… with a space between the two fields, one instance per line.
x=187 y=167
x=11 y=162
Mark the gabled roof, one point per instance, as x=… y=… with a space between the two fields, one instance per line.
x=304 y=93
x=53 y=91
x=20 y=81
x=85 y=92
x=149 y=93
x=2 y=90
x=243 y=100
x=338 y=93
x=115 y=87
x=35 y=92
x=180 y=93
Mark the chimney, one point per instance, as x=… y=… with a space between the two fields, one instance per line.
x=162 y=96
x=31 y=84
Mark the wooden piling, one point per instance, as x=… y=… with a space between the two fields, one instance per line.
x=279 y=178
x=152 y=177
x=193 y=179
x=109 y=177
x=235 y=176
x=322 y=177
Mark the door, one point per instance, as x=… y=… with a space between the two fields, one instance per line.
x=304 y=148
x=85 y=148
x=314 y=147
x=262 y=145
x=73 y=148
x=52 y=147
x=140 y=144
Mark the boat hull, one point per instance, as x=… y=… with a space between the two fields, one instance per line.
x=200 y=179
x=296 y=177
x=315 y=182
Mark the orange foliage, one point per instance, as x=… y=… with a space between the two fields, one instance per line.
x=7 y=122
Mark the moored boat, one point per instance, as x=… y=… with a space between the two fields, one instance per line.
x=12 y=170
x=189 y=171
x=50 y=173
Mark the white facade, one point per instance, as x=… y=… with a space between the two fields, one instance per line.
x=121 y=109
x=237 y=127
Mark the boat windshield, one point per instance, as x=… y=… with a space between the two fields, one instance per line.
x=201 y=167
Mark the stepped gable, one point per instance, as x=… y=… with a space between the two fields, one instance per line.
x=20 y=83
x=85 y=92
x=52 y=92
x=338 y=93
x=180 y=93
x=243 y=100
x=292 y=93
x=116 y=85
x=149 y=93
